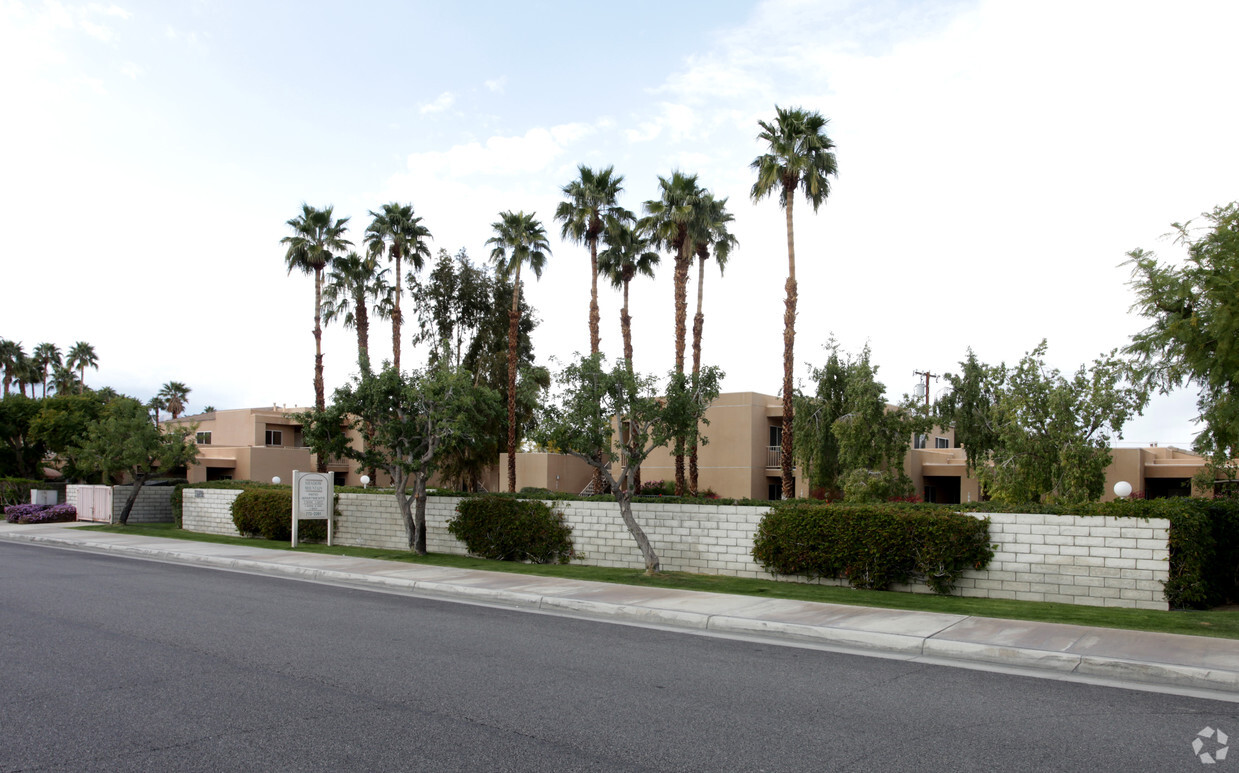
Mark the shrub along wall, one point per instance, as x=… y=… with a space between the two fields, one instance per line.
x=1101 y=561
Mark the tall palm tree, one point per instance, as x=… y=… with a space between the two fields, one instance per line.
x=26 y=372
x=156 y=404
x=627 y=253
x=351 y=285
x=519 y=239
x=592 y=201
x=64 y=380
x=799 y=155
x=316 y=238
x=11 y=355
x=174 y=395
x=396 y=232
x=674 y=223
x=82 y=356
x=716 y=237
x=46 y=356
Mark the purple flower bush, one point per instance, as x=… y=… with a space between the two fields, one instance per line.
x=40 y=513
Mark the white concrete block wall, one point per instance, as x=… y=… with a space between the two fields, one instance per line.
x=154 y=504
x=209 y=510
x=1091 y=560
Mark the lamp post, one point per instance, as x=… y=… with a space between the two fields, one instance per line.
x=1122 y=489
x=365 y=481
x=276 y=480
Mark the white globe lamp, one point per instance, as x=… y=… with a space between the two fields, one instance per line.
x=276 y=480
x=365 y=481
x=1122 y=489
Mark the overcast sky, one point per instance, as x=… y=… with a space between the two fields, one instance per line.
x=996 y=162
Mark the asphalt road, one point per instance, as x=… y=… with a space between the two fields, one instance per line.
x=118 y=664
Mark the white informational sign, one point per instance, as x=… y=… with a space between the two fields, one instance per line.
x=313 y=499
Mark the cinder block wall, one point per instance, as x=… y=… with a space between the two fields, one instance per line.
x=154 y=504
x=209 y=510
x=1091 y=560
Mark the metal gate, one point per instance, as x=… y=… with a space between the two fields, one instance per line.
x=94 y=503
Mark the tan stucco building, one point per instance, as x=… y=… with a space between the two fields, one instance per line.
x=740 y=461
x=255 y=444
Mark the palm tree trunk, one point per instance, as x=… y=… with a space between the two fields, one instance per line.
x=595 y=337
x=320 y=398
x=514 y=317
x=789 y=343
x=396 y=320
x=363 y=335
x=682 y=260
x=699 y=322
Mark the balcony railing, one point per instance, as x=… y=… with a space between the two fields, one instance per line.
x=773 y=456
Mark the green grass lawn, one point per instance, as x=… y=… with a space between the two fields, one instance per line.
x=1219 y=622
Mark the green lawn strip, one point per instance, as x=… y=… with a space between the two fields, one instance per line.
x=1218 y=623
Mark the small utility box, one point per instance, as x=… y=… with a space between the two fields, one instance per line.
x=42 y=496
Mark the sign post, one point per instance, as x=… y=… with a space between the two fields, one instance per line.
x=313 y=499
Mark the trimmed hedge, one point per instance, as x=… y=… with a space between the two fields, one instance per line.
x=268 y=513
x=872 y=546
x=508 y=529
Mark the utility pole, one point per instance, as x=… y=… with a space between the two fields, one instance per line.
x=927 y=376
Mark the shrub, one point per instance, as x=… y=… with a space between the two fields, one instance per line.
x=268 y=513
x=872 y=546
x=506 y=529
x=178 y=493
x=40 y=513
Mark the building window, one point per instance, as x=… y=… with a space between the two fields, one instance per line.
x=942 y=442
x=776 y=435
x=275 y=437
x=919 y=441
x=203 y=438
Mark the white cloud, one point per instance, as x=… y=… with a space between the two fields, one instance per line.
x=131 y=70
x=496 y=85
x=532 y=152
x=441 y=103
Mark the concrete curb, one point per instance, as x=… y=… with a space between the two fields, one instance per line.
x=913 y=646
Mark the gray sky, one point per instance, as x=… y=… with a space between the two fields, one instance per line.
x=996 y=162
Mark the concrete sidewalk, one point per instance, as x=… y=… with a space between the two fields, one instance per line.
x=1194 y=664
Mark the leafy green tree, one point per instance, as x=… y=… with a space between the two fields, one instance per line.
x=717 y=239
x=398 y=233
x=816 y=446
x=353 y=284
x=46 y=356
x=124 y=440
x=968 y=406
x=519 y=239
x=453 y=304
x=418 y=418
x=674 y=222
x=596 y=402
x=174 y=395
x=872 y=436
x=82 y=356
x=21 y=453
x=798 y=155
x=62 y=421
x=1193 y=338
x=317 y=237
x=1050 y=433
x=849 y=440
